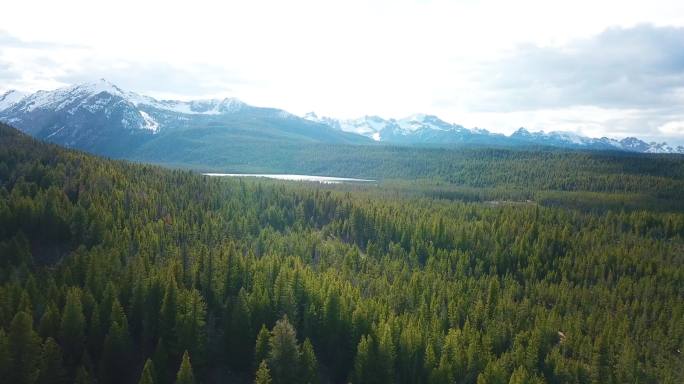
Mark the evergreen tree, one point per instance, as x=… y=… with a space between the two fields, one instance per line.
x=309 y=364
x=115 y=354
x=50 y=322
x=365 y=364
x=51 y=364
x=261 y=350
x=72 y=332
x=185 y=375
x=24 y=347
x=284 y=354
x=161 y=362
x=263 y=375
x=239 y=332
x=167 y=317
x=386 y=355
x=148 y=373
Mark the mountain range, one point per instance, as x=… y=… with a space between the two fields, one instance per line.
x=431 y=130
x=102 y=118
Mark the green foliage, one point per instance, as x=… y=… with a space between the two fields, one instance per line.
x=148 y=374
x=261 y=350
x=185 y=375
x=25 y=351
x=72 y=331
x=309 y=364
x=283 y=359
x=51 y=364
x=402 y=283
x=263 y=375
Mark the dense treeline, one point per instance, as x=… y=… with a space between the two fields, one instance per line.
x=520 y=170
x=121 y=273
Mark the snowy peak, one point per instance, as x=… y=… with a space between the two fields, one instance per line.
x=521 y=132
x=9 y=98
x=430 y=129
x=103 y=91
x=420 y=128
x=205 y=107
x=417 y=122
x=573 y=140
x=99 y=86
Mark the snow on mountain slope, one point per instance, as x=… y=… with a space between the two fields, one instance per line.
x=150 y=123
x=102 y=118
x=572 y=140
x=60 y=98
x=380 y=129
x=429 y=129
x=10 y=98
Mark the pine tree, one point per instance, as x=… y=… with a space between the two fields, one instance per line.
x=262 y=350
x=148 y=373
x=365 y=363
x=284 y=355
x=263 y=375
x=309 y=364
x=386 y=354
x=160 y=360
x=185 y=375
x=72 y=328
x=51 y=365
x=190 y=328
x=24 y=347
x=168 y=313
x=239 y=332
x=50 y=322
x=115 y=354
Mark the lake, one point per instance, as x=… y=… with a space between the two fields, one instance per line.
x=318 y=179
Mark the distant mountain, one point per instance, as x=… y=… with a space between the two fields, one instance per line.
x=430 y=130
x=102 y=118
x=415 y=129
x=571 y=140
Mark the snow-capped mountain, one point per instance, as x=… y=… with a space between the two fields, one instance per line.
x=103 y=118
x=429 y=129
x=103 y=96
x=10 y=98
x=415 y=129
x=572 y=140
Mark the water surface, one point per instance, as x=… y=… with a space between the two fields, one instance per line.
x=319 y=179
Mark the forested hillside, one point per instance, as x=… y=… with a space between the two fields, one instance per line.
x=510 y=170
x=113 y=272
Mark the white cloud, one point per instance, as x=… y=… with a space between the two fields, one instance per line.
x=672 y=128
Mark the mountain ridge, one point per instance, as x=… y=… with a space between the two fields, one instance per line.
x=101 y=117
x=430 y=129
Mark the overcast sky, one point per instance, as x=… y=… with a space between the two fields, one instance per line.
x=599 y=68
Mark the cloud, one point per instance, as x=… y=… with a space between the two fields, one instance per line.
x=672 y=128
x=638 y=67
x=157 y=78
x=8 y=40
x=33 y=65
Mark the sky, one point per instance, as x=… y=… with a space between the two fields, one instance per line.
x=597 y=68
